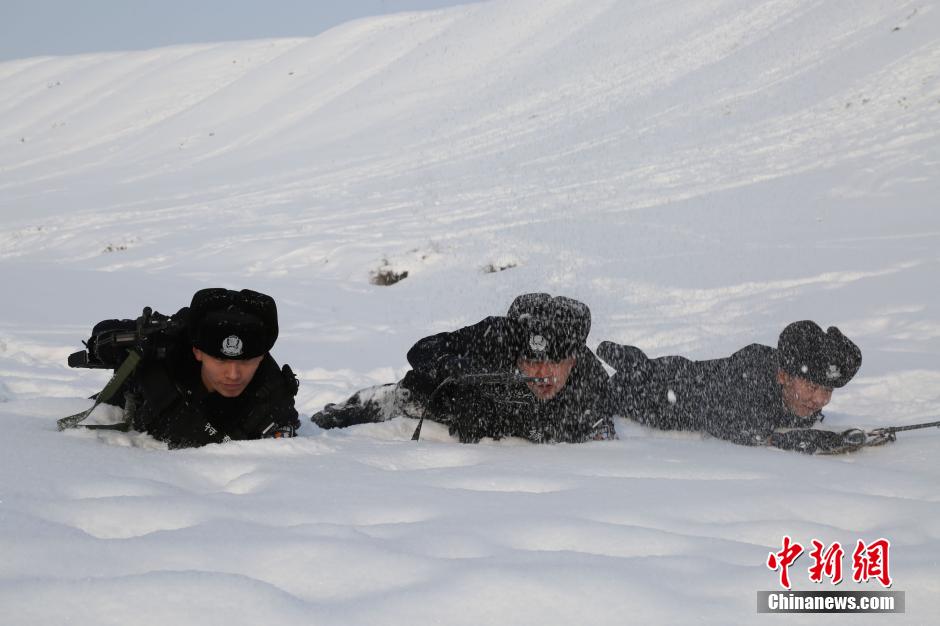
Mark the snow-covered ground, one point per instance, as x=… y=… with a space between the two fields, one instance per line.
x=699 y=172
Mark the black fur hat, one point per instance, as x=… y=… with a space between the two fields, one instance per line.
x=549 y=329
x=230 y=324
x=826 y=358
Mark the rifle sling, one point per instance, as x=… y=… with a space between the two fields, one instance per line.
x=121 y=374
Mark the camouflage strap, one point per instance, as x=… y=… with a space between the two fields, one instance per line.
x=120 y=375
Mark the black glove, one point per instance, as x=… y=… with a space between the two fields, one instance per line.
x=473 y=411
x=854 y=437
x=812 y=441
x=470 y=418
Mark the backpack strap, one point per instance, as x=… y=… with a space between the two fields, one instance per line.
x=117 y=380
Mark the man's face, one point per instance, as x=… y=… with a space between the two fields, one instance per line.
x=802 y=397
x=227 y=377
x=555 y=372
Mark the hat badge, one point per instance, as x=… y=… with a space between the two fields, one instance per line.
x=538 y=343
x=232 y=346
x=833 y=372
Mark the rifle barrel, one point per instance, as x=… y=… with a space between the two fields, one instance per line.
x=501 y=378
x=897 y=429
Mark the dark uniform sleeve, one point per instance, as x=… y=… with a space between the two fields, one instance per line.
x=597 y=420
x=648 y=391
x=163 y=408
x=480 y=348
x=732 y=398
x=639 y=394
x=736 y=398
x=742 y=430
x=483 y=347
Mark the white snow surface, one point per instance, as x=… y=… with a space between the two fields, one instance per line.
x=700 y=173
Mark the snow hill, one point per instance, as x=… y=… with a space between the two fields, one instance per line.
x=699 y=172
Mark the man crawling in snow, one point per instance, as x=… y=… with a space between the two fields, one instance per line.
x=527 y=374
x=203 y=375
x=757 y=396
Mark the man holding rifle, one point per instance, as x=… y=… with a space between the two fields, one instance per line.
x=758 y=396
x=203 y=375
x=527 y=374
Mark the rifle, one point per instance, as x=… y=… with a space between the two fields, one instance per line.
x=503 y=378
x=811 y=440
x=121 y=345
x=881 y=436
x=150 y=335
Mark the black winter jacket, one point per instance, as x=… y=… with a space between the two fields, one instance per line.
x=165 y=395
x=473 y=409
x=736 y=398
x=169 y=401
